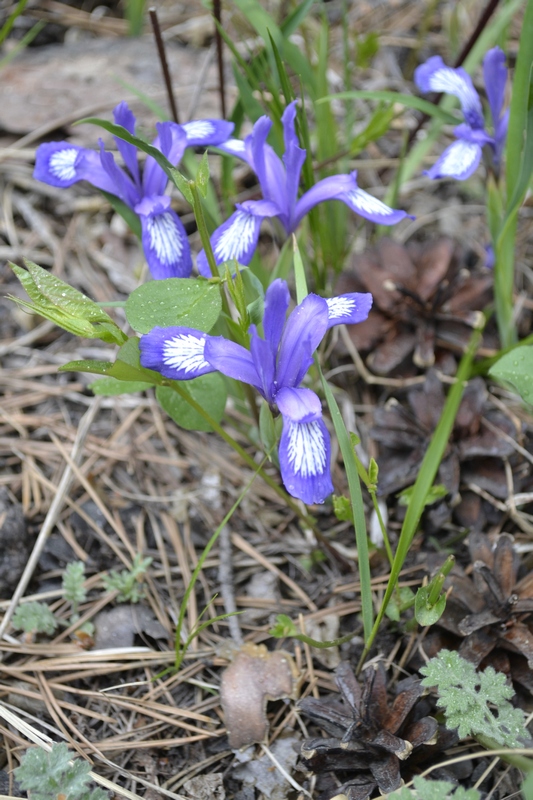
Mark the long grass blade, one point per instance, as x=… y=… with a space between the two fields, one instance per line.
x=426 y=476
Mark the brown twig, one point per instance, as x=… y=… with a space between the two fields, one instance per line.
x=164 y=63
x=217 y=13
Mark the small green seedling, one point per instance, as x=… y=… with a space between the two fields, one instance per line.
x=51 y=775
x=434 y=790
x=476 y=703
x=33 y=618
x=128 y=583
x=73 y=589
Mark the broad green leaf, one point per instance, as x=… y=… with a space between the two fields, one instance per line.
x=209 y=391
x=425 y=613
x=516 y=369
x=86 y=365
x=174 y=301
x=401 y=600
x=39 y=283
x=112 y=386
x=55 y=300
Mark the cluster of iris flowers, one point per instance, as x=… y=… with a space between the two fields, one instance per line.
x=278 y=361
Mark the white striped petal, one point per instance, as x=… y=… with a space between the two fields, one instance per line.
x=306 y=449
x=62 y=163
x=185 y=353
x=238 y=240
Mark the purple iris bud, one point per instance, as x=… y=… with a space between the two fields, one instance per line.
x=279 y=179
x=461 y=159
x=164 y=239
x=275 y=365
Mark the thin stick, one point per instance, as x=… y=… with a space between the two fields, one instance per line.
x=53 y=512
x=225 y=578
x=164 y=63
x=217 y=13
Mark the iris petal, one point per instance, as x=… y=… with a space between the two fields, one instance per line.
x=207 y=132
x=348 y=309
x=237 y=238
x=303 y=332
x=176 y=352
x=277 y=299
x=164 y=239
x=123 y=115
x=304 y=456
x=460 y=160
x=233 y=360
x=345 y=188
x=435 y=76
x=299 y=405
x=62 y=164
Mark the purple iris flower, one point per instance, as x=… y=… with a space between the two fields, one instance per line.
x=279 y=180
x=461 y=159
x=275 y=365
x=164 y=239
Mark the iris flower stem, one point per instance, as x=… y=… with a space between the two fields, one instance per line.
x=206 y=244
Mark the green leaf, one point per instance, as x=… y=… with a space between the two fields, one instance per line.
x=270 y=432
x=86 y=365
x=425 y=613
x=202 y=176
x=401 y=600
x=516 y=369
x=174 y=301
x=33 y=618
x=209 y=391
x=407 y=100
x=434 y=790
x=378 y=125
x=109 y=387
x=476 y=703
x=284 y=627
x=48 y=775
x=366 y=48
x=55 y=300
x=182 y=183
x=342 y=508
x=126 y=368
x=437 y=492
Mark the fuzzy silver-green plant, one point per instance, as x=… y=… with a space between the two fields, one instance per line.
x=73 y=589
x=49 y=775
x=128 y=583
x=434 y=790
x=34 y=618
x=476 y=703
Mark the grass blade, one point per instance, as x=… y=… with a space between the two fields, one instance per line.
x=426 y=476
